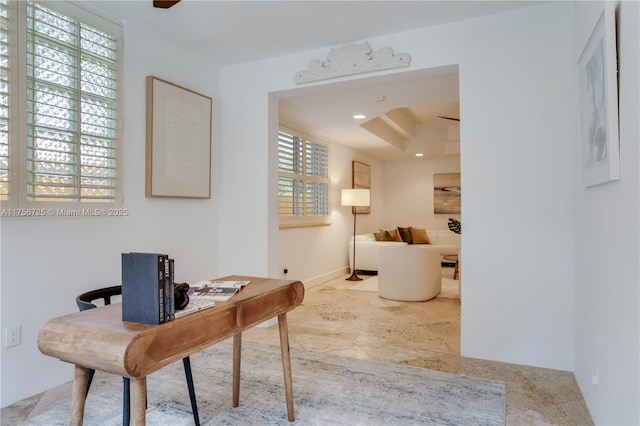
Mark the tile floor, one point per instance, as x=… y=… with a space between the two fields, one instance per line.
x=359 y=324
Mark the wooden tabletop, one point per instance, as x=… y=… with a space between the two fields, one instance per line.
x=100 y=340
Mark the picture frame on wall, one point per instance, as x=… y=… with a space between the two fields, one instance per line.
x=598 y=103
x=361 y=174
x=447 y=193
x=178 y=141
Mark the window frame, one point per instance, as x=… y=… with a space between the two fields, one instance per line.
x=6 y=6
x=304 y=220
x=18 y=174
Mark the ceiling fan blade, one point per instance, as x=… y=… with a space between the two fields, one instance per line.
x=448 y=118
x=164 y=4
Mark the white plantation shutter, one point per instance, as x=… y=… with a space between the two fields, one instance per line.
x=72 y=109
x=290 y=183
x=4 y=100
x=303 y=183
x=59 y=96
x=317 y=171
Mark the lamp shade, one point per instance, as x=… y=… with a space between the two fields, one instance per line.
x=356 y=197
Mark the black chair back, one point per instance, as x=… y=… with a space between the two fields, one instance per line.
x=84 y=301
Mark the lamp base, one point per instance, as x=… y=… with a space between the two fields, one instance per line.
x=353 y=277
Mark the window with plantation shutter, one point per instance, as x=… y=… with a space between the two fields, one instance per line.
x=303 y=180
x=71 y=109
x=64 y=81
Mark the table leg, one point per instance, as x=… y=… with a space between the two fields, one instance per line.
x=286 y=364
x=78 y=395
x=138 y=387
x=237 y=349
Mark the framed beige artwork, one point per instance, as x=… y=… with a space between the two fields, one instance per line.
x=447 y=193
x=178 y=148
x=361 y=180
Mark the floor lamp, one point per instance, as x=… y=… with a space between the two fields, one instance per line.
x=355 y=198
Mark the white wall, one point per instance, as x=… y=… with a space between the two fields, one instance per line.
x=410 y=183
x=514 y=156
x=46 y=263
x=247 y=224
x=607 y=242
x=515 y=85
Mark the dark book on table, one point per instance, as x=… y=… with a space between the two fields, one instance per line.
x=168 y=314
x=171 y=295
x=143 y=288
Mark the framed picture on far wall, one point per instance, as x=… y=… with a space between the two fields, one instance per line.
x=598 y=103
x=361 y=174
x=447 y=196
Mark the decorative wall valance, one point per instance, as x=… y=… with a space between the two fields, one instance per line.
x=352 y=59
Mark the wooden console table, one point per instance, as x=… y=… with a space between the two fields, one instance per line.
x=98 y=339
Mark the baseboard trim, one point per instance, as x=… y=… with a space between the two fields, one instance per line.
x=326 y=277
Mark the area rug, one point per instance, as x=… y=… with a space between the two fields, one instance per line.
x=450 y=288
x=328 y=390
x=369 y=284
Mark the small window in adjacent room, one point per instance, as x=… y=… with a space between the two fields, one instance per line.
x=60 y=114
x=303 y=180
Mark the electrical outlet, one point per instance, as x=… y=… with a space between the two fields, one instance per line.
x=11 y=336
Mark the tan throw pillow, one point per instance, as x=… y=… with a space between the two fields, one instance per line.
x=394 y=235
x=419 y=236
x=382 y=236
x=405 y=234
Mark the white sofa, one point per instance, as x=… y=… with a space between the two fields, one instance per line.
x=367 y=248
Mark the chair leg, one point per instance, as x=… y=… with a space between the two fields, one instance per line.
x=89 y=380
x=192 y=393
x=126 y=401
x=126 y=395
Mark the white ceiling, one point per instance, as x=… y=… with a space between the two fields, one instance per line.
x=425 y=93
x=243 y=31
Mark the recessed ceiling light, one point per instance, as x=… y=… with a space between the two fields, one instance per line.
x=419 y=154
x=359 y=116
x=381 y=99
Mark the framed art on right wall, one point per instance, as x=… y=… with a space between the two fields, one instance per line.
x=598 y=103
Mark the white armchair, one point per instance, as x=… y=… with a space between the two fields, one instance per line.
x=409 y=273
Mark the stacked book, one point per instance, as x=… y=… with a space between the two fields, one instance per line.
x=148 y=290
